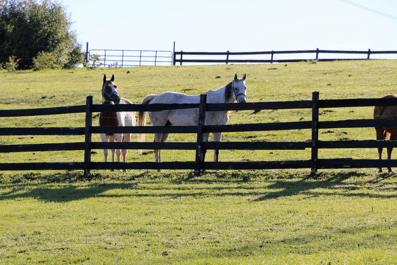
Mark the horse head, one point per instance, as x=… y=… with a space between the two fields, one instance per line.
x=109 y=90
x=239 y=89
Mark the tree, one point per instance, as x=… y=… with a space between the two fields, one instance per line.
x=28 y=28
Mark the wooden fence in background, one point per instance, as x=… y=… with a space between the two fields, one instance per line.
x=226 y=57
x=314 y=125
x=128 y=58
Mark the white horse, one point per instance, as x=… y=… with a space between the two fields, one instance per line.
x=235 y=90
x=110 y=96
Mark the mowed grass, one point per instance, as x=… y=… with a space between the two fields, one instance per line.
x=216 y=219
x=224 y=217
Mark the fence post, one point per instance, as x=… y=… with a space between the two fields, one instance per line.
x=369 y=53
x=87 y=145
x=173 y=55
x=200 y=153
x=181 y=57
x=314 y=133
x=227 y=57
x=87 y=57
x=122 y=58
x=317 y=51
x=140 y=58
x=271 y=59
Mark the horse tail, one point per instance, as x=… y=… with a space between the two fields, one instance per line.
x=142 y=117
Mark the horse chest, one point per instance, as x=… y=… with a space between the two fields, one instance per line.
x=108 y=119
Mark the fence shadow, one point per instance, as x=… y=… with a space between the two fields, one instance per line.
x=75 y=188
x=290 y=188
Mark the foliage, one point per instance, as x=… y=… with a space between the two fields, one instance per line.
x=12 y=64
x=45 y=60
x=95 y=61
x=76 y=57
x=27 y=28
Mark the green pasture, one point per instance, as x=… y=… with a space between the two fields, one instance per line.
x=278 y=82
x=342 y=216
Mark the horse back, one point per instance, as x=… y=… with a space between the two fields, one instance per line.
x=175 y=98
x=386 y=112
x=126 y=118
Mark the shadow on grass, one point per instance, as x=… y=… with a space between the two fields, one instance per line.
x=75 y=186
x=326 y=181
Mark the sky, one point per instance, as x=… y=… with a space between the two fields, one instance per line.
x=237 y=26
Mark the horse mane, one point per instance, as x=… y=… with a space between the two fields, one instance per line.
x=228 y=92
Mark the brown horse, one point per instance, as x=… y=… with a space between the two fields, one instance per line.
x=110 y=96
x=386 y=133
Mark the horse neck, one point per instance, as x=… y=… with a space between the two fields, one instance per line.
x=219 y=96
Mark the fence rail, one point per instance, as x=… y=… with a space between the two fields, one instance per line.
x=314 y=163
x=227 y=57
x=128 y=58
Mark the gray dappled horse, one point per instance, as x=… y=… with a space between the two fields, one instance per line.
x=235 y=90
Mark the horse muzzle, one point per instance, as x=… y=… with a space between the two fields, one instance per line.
x=115 y=98
x=241 y=99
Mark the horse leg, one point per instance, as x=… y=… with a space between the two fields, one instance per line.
x=204 y=151
x=126 y=139
x=157 y=139
x=111 y=140
x=380 y=135
x=118 y=151
x=389 y=150
x=163 y=138
x=216 y=138
x=105 y=151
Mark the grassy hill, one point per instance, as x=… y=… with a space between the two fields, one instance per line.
x=226 y=217
x=278 y=82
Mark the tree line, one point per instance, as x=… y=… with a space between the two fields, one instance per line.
x=36 y=35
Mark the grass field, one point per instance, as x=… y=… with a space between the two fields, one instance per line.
x=225 y=217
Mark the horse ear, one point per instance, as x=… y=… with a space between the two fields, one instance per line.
x=104 y=79
x=112 y=78
x=244 y=77
x=235 y=77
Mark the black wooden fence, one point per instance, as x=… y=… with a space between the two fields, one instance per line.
x=314 y=163
x=227 y=57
